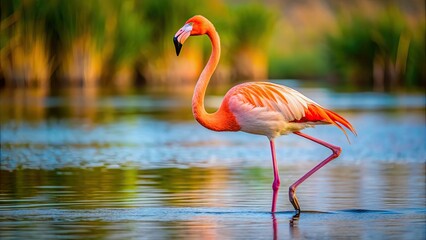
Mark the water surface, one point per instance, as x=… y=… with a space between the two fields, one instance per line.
x=99 y=164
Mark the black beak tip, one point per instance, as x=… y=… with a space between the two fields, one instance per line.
x=178 y=45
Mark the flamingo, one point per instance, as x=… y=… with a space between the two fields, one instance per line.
x=261 y=108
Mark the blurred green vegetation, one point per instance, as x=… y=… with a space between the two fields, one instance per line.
x=379 y=52
x=376 y=45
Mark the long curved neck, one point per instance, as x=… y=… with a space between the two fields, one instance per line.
x=200 y=89
x=222 y=119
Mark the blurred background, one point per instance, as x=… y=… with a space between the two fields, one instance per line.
x=367 y=45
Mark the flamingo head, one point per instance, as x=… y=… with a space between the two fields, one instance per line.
x=197 y=25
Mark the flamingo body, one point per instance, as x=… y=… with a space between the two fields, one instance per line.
x=261 y=108
x=272 y=110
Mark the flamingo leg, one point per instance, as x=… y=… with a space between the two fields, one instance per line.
x=292 y=190
x=274 y=226
x=276 y=182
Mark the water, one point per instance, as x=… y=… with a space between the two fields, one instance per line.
x=93 y=164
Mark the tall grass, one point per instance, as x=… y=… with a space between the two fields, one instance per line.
x=382 y=52
x=252 y=27
x=25 y=56
x=121 y=43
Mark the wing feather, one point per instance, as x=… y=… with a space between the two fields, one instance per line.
x=292 y=105
x=288 y=102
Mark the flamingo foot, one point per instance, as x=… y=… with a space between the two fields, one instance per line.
x=294 y=219
x=293 y=199
x=295 y=203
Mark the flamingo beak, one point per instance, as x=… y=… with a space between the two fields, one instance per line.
x=181 y=36
x=178 y=45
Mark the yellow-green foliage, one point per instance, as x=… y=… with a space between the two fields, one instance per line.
x=92 y=42
x=380 y=51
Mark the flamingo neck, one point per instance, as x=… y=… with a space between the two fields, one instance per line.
x=222 y=120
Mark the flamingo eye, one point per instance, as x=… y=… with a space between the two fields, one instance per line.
x=188 y=27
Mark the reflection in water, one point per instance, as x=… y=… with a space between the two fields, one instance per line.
x=91 y=163
x=98 y=187
x=68 y=188
x=207 y=202
x=22 y=105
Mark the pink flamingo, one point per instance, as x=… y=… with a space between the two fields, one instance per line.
x=258 y=107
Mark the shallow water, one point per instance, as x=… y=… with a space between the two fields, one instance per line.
x=99 y=164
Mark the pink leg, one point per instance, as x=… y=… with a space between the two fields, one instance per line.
x=292 y=190
x=274 y=226
x=276 y=183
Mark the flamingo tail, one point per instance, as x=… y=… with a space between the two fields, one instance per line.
x=316 y=113
x=339 y=122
